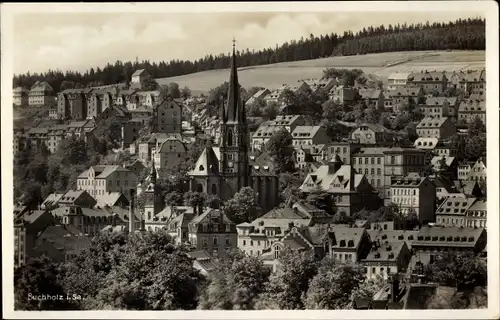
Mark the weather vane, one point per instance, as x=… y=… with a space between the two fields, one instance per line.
x=234 y=42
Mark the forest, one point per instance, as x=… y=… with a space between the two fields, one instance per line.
x=462 y=34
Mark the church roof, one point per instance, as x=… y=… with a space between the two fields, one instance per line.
x=235 y=111
x=207 y=164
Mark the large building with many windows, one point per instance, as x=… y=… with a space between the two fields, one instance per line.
x=99 y=180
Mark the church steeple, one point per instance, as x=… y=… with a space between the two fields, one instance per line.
x=153 y=173
x=235 y=111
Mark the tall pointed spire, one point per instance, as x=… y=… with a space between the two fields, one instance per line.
x=152 y=174
x=234 y=110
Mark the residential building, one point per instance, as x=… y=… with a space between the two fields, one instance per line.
x=386 y=259
x=53 y=114
x=20 y=96
x=433 y=240
x=41 y=94
x=203 y=262
x=112 y=199
x=143 y=115
x=349 y=189
x=321 y=84
x=275 y=96
x=398 y=162
x=452 y=212
x=451 y=166
x=463 y=170
x=257 y=236
x=397 y=80
x=99 y=180
x=268 y=128
x=416 y=195
x=130 y=132
x=370 y=162
x=61 y=243
x=89 y=220
x=436 y=107
x=55 y=135
x=469 y=188
x=167 y=117
x=475 y=82
x=440 y=128
x=261 y=94
x=138 y=79
x=148 y=98
x=429 y=81
x=79 y=198
x=344 y=150
x=144 y=146
x=37 y=137
x=51 y=201
x=74 y=104
x=407 y=97
x=444 y=148
x=373 y=98
x=213 y=232
x=478 y=170
x=471 y=109
x=476 y=215
x=175 y=220
x=369 y=133
x=224 y=171
x=100 y=100
x=341 y=243
x=124 y=97
x=27 y=225
x=171 y=153
x=309 y=135
x=342 y=94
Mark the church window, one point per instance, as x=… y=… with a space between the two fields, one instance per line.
x=199 y=188
x=214 y=189
x=215 y=241
x=230 y=138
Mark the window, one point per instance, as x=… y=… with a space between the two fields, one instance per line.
x=373 y=270
x=228 y=228
x=244 y=242
x=379 y=172
x=373 y=160
x=393 y=160
x=276 y=252
x=228 y=243
x=230 y=138
x=366 y=160
x=378 y=182
x=215 y=241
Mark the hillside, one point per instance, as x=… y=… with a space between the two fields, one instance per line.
x=380 y=65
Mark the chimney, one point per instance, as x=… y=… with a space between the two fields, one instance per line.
x=131 y=219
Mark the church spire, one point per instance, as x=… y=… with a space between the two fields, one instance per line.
x=234 y=111
x=152 y=174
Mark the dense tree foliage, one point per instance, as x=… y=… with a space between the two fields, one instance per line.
x=280 y=150
x=463 y=34
x=243 y=206
x=236 y=284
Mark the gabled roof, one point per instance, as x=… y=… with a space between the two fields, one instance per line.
x=325 y=180
x=41 y=86
x=436 y=101
x=399 y=76
x=52 y=199
x=109 y=199
x=370 y=94
x=71 y=195
x=448 y=236
x=430 y=122
x=427 y=76
x=479 y=205
x=207 y=164
x=140 y=72
x=102 y=172
x=405 y=92
x=305 y=132
x=387 y=252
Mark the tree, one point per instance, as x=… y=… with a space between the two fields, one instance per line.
x=460 y=270
x=289 y=188
x=321 y=200
x=243 y=206
x=185 y=93
x=476 y=127
x=475 y=147
x=194 y=199
x=400 y=121
x=115 y=132
x=151 y=274
x=270 y=112
x=372 y=115
x=368 y=288
x=39 y=277
x=332 y=286
x=287 y=287
x=280 y=150
x=173 y=90
x=332 y=110
x=342 y=218
x=174 y=198
x=150 y=84
x=236 y=284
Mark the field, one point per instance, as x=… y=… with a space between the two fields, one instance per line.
x=380 y=65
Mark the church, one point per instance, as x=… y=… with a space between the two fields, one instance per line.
x=225 y=169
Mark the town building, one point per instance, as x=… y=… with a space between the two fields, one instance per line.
x=148 y=98
x=74 y=104
x=452 y=212
x=397 y=80
x=346 y=244
x=55 y=135
x=344 y=150
x=407 y=97
x=309 y=135
x=471 y=109
x=478 y=170
x=324 y=84
x=440 y=128
x=342 y=94
x=27 y=225
x=275 y=96
x=257 y=236
x=386 y=259
x=436 y=107
x=79 y=198
x=416 y=195
x=373 y=98
x=475 y=82
x=398 y=162
x=143 y=147
x=225 y=171
x=370 y=162
x=167 y=117
x=463 y=170
x=41 y=94
x=61 y=243
x=267 y=129
x=350 y=190
x=139 y=78
x=259 y=95
x=171 y=153
x=213 y=232
x=430 y=81
x=369 y=133
x=37 y=138
x=20 y=96
x=476 y=215
x=433 y=240
x=99 y=180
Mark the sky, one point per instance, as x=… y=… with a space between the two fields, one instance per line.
x=79 y=41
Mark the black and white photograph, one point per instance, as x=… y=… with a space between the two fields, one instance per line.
x=219 y=158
